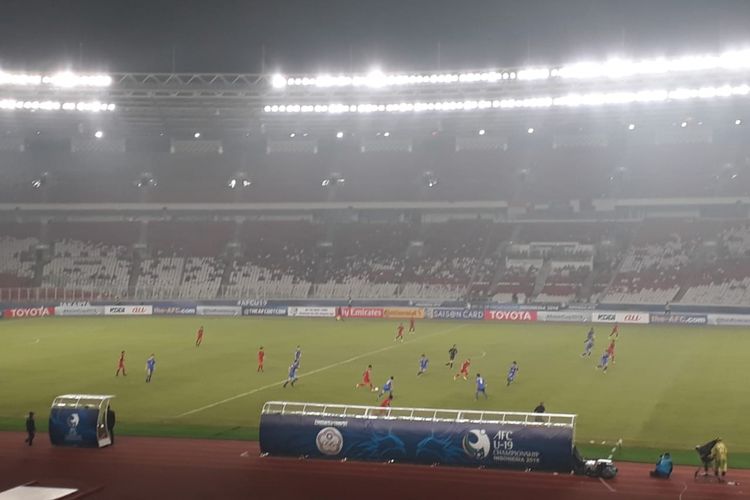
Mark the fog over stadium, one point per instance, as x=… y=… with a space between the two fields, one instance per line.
x=390 y=188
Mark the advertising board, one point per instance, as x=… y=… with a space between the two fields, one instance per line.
x=28 y=312
x=729 y=319
x=514 y=446
x=620 y=317
x=264 y=311
x=218 y=310
x=461 y=313
x=311 y=311
x=565 y=316
x=515 y=316
x=403 y=312
x=679 y=318
x=362 y=312
x=140 y=310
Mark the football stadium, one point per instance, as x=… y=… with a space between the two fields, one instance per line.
x=416 y=266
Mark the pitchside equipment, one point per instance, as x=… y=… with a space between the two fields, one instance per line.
x=80 y=420
x=529 y=441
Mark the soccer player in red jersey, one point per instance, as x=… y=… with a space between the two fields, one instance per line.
x=261 y=355
x=412 y=328
x=339 y=314
x=366 y=379
x=386 y=403
x=611 y=351
x=400 y=332
x=615 y=331
x=464 y=372
x=199 y=337
x=121 y=365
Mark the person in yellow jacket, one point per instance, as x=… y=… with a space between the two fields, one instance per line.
x=719 y=456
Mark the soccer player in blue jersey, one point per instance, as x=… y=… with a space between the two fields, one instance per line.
x=588 y=344
x=603 y=362
x=512 y=372
x=481 y=387
x=423 y=362
x=150 y=366
x=292 y=377
x=297 y=355
x=387 y=387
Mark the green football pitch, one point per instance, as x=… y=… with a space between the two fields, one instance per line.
x=671 y=387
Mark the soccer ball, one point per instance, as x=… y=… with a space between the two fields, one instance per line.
x=375 y=389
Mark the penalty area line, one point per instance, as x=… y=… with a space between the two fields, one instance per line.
x=313 y=372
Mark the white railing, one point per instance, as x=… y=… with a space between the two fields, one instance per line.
x=418 y=414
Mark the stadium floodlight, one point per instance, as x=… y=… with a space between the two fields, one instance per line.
x=631 y=126
x=738 y=122
x=530 y=130
x=19 y=79
x=339 y=135
x=72 y=80
x=146 y=180
x=481 y=131
x=40 y=181
x=571 y=100
x=197 y=135
x=529 y=74
x=683 y=124
x=430 y=179
x=99 y=134
x=292 y=135
x=386 y=134
x=239 y=180
x=278 y=81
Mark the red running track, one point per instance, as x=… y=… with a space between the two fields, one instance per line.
x=158 y=468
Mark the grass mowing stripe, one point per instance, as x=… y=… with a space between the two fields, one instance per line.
x=317 y=370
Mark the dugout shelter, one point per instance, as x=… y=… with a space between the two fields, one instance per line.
x=80 y=420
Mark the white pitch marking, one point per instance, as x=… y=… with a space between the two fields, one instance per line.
x=607 y=486
x=684 y=489
x=245 y=454
x=313 y=372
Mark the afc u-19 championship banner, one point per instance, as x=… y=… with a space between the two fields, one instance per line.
x=74 y=427
x=448 y=443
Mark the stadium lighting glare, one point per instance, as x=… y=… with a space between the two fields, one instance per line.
x=339 y=135
x=98 y=134
x=572 y=100
x=90 y=106
x=631 y=126
x=530 y=74
x=197 y=135
x=386 y=134
x=738 y=122
x=72 y=80
x=683 y=124
x=530 y=130
x=612 y=69
x=481 y=131
x=292 y=135
x=278 y=81
x=19 y=79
